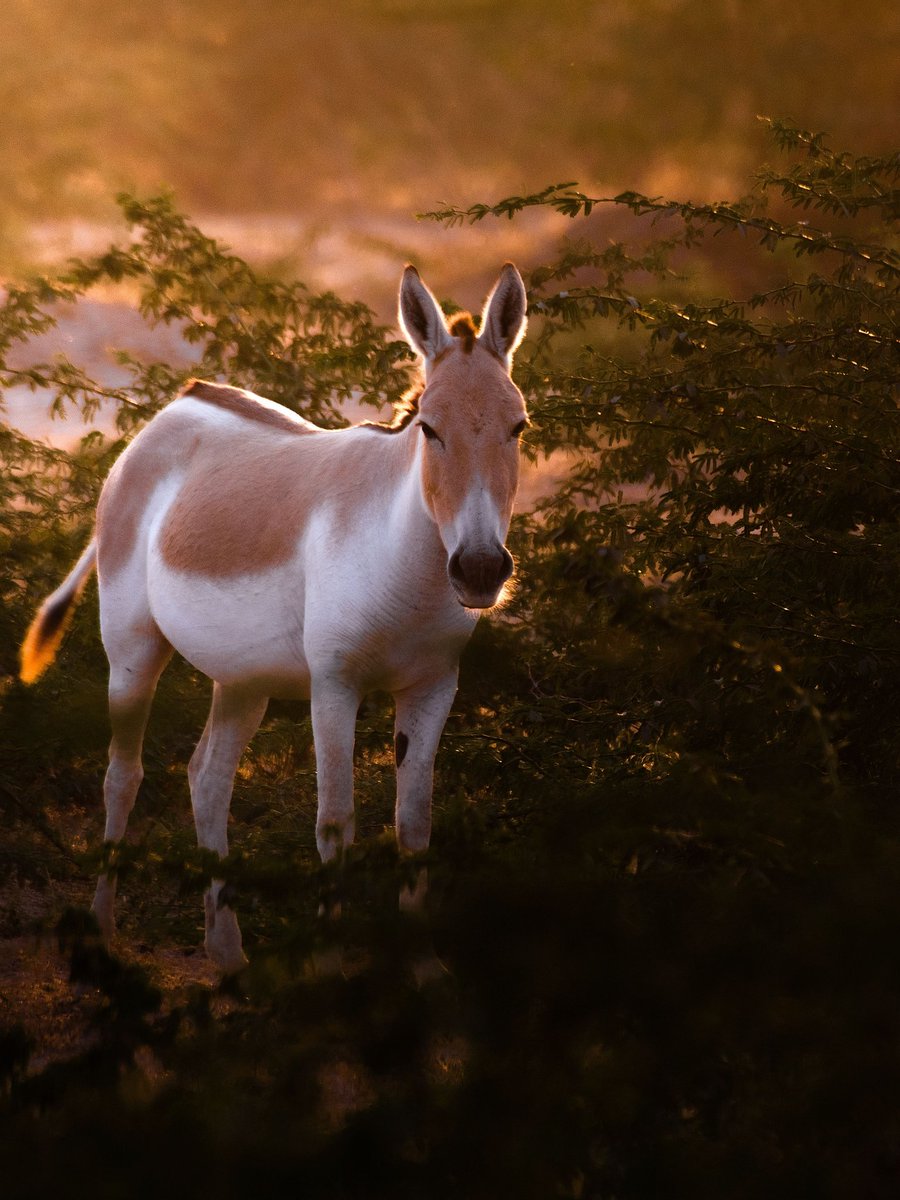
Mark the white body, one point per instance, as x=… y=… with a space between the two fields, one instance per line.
x=286 y=561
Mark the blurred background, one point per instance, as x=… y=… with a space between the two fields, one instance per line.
x=307 y=135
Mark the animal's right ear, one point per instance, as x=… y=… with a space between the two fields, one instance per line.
x=421 y=317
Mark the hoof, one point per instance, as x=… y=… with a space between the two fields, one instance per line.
x=226 y=963
x=223 y=943
x=103 y=909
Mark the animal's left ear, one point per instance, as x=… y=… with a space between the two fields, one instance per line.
x=503 y=321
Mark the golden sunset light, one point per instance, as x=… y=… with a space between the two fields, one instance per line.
x=449 y=642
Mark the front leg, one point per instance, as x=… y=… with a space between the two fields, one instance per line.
x=334 y=709
x=421 y=715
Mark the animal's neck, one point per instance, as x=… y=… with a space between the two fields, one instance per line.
x=409 y=528
x=411 y=512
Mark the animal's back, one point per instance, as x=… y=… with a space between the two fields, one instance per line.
x=220 y=516
x=210 y=439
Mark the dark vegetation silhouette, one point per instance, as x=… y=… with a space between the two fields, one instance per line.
x=666 y=845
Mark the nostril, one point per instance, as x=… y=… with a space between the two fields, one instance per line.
x=479 y=571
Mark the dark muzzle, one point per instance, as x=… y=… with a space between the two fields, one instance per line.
x=478 y=575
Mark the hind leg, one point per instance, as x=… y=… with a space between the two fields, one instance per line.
x=234 y=718
x=137 y=660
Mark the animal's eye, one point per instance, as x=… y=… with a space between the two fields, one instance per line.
x=429 y=432
x=519 y=429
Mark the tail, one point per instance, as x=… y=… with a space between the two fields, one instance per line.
x=46 y=630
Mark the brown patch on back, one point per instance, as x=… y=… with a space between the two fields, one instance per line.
x=248 y=497
x=234 y=513
x=170 y=442
x=245 y=404
x=159 y=447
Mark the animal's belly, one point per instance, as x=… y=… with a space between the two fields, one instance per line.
x=238 y=631
x=264 y=631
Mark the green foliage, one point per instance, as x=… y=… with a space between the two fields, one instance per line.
x=666 y=846
x=758 y=442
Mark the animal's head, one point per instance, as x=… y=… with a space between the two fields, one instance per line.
x=470 y=417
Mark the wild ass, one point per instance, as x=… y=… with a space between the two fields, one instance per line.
x=284 y=560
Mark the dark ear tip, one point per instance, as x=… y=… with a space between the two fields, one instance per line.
x=409 y=269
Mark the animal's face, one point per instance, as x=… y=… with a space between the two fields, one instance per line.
x=471 y=416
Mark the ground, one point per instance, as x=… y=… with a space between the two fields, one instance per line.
x=36 y=991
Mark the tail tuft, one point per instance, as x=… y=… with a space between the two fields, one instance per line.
x=45 y=633
x=44 y=637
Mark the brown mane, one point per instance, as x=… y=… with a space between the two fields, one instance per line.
x=405 y=411
x=463 y=327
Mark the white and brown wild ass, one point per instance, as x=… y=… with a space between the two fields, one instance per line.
x=283 y=560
